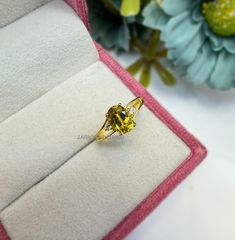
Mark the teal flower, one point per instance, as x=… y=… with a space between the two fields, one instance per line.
x=107 y=25
x=199 y=36
x=112 y=29
x=117 y=24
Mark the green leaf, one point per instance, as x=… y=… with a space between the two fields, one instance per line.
x=137 y=44
x=134 y=68
x=112 y=6
x=165 y=75
x=145 y=75
x=162 y=53
x=150 y=51
x=130 y=7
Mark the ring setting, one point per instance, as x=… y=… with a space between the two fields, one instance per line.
x=120 y=119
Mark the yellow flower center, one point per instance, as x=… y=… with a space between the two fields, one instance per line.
x=220 y=15
x=120 y=119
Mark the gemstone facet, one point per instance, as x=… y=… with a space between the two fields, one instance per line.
x=120 y=119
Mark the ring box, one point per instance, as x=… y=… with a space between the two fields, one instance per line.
x=56 y=181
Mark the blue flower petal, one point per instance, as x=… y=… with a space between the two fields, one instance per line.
x=201 y=68
x=197 y=14
x=229 y=44
x=224 y=72
x=170 y=54
x=186 y=54
x=154 y=16
x=216 y=41
x=175 y=7
x=179 y=30
x=192 y=44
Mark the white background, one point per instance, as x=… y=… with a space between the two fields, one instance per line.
x=202 y=207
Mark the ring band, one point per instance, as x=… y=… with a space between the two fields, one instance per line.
x=120 y=119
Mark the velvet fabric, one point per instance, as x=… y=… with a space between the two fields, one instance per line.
x=60 y=185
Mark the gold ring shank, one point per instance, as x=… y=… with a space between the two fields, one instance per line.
x=107 y=130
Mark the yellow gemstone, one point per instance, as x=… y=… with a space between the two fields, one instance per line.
x=120 y=119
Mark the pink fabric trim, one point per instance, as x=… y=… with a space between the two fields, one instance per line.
x=198 y=151
x=3 y=233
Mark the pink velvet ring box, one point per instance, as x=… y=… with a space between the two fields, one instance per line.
x=56 y=181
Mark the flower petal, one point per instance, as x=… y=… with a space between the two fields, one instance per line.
x=171 y=54
x=216 y=41
x=229 y=44
x=154 y=16
x=224 y=72
x=175 y=7
x=186 y=54
x=197 y=14
x=123 y=36
x=179 y=30
x=108 y=38
x=201 y=68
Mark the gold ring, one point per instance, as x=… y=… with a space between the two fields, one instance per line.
x=120 y=119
